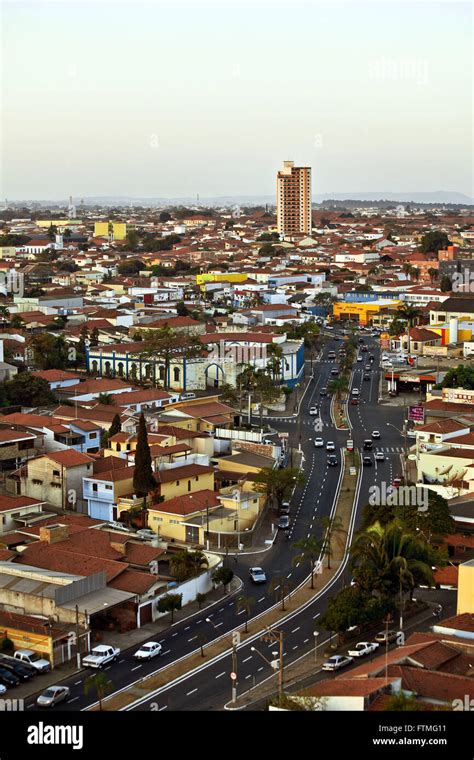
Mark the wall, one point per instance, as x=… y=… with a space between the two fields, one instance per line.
x=466 y=588
x=202 y=585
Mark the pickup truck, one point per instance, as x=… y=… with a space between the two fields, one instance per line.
x=100 y=656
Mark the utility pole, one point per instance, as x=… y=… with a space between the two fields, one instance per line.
x=78 y=641
x=276 y=636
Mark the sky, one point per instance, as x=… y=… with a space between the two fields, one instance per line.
x=158 y=99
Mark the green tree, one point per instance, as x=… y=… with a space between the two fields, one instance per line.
x=222 y=575
x=309 y=550
x=278 y=483
x=200 y=599
x=434 y=523
x=188 y=564
x=461 y=376
x=165 y=216
x=181 y=309
x=28 y=390
x=132 y=239
x=100 y=684
x=410 y=315
x=143 y=477
x=94 y=339
x=353 y=606
x=434 y=241
x=433 y=274
x=105 y=398
x=244 y=603
x=338 y=386
x=170 y=603
x=49 y=351
x=130 y=267
x=163 y=345
x=388 y=559
x=402 y=702
x=446 y=284
x=116 y=426
x=333 y=533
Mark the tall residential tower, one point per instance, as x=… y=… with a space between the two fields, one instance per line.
x=294 y=199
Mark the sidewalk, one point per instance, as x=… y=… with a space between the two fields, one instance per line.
x=148 y=632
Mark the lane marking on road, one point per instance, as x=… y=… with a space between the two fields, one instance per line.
x=261 y=600
x=218 y=624
x=174 y=634
x=193 y=638
x=70 y=700
x=108 y=667
x=247 y=658
x=187 y=628
x=76 y=683
x=198 y=621
x=221 y=609
x=296 y=629
x=249 y=676
x=136 y=667
x=191 y=692
x=296 y=646
x=165 y=707
x=259 y=669
x=305 y=641
x=241 y=612
x=221 y=674
x=167 y=652
x=276 y=587
x=317 y=615
x=28 y=707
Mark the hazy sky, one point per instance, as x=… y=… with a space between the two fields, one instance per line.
x=158 y=99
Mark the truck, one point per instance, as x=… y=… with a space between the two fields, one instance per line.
x=101 y=655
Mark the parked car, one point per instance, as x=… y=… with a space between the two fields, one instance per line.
x=187 y=395
x=101 y=655
x=24 y=672
x=148 y=650
x=332 y=460
x=313 y=410
x=368 y=444
x=375 y=434
x=385 y=636
x=32 y=658
x=363 y=648
x=330 y=446
x=284 y=522
x=53 y=695
x=285 y=508
x=336 y=662
x=318 y=442
x=379 y=456
x=147 y=534
x=116 y=525
x=257 y=575
x=8 y=679
x=367 y=461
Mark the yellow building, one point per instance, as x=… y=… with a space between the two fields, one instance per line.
x=45 y=224
x=466 y=588
x=362 y=312
x=102 y=229
x=201 y=279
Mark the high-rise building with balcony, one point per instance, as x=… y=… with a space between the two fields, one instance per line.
x=294 y=199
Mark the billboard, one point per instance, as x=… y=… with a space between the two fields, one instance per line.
x=416 y=413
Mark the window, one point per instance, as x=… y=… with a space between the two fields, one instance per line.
x=176 y=374
x=189 y=485
x=108 y=488
x=175 y=522
x=56 y=473
x=119 y=448
x=177 y=482
x=92 y=435
x=157 y=519
x=95 y=487
x=37 y=482
x=196 y=478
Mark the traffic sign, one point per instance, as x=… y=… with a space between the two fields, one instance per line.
x=233 y=676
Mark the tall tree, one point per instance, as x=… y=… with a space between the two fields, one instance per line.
x=143 y=478
x=309 y=551
x=99 y=683
x=333 y=532
x=116 y=426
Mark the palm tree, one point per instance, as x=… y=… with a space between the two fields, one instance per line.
x=244 y=603
x=385 y=558
x=310 y=550
x=105 y=398
x=187 y=564
x=100 y=684
x=333 y=528
x=407 y=268
x=433 y=273
x=280 y=584
x=275 y=353
x=4 y=313
x=339 y=386
x=411 y=315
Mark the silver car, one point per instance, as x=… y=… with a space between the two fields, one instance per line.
x=53 y=695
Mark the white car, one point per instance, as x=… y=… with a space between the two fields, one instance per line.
x=360 y=358
x=257 y=575
x=355 y=391
x=379 y=456
x=318 y=442
x=314 y=410
x=363 y=648
x=32 y=658
x=336 y=662
x=100 y=656
x=148 y=650
x=146 y=534
x=375 y=434
x=3 y=688
x=330 y=446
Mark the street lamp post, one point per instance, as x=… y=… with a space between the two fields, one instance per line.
x=276 y=636
x=233 y=676
x=404 y=433
x=315 y=634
